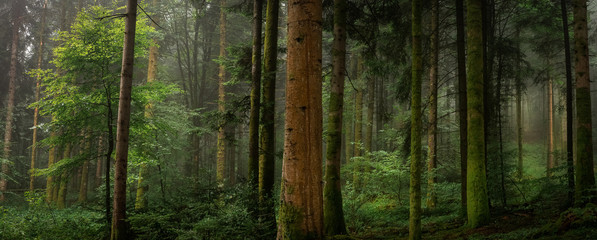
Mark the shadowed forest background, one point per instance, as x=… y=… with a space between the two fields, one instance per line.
x=268 y=119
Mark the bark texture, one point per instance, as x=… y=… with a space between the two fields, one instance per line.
x=255 y=96
x=414 y=222
x=477 y=201
x=10 y=103
x=221 y=144
x=267 y=158
x=119 y=224
x=585 y=177
x=332 y=190
x=301 y=210
x=432 y=130
x=462 y=115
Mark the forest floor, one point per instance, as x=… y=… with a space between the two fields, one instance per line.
x=541 y=220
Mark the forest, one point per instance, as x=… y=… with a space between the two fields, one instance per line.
x=297 y=119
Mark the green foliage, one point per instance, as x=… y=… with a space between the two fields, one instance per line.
x=223 y=215
x=38 y=221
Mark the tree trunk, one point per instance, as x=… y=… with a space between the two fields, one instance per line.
x=255 y=99
x=37 y=89
x=301 y=210
x=50 y=184
x=267 y=155
x=432 y=131
x=462 y=101
x=61 y=197
x=569 y=110
x=152 y=67
x=585 y=178
x=550 y=146
x=84 y=173
x=221 y=149
x=414 y=222
x=358 y=126
x=370 y=108
x=119 y=224
x=10 y=105
x=332 y=190
x=477 y=201
x=519 y=168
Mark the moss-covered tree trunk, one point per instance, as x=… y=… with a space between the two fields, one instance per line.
x=40 y=54
x=585 y=177
x=221 y=144
x=477 y=201
x=10 y=102
x=414 y=223
x=462 y=115
x=301 y=210
x=569 y=110
x=432 y=130
x=119 y=228
x=267 y=160
x=332 y=190
x=253 y=164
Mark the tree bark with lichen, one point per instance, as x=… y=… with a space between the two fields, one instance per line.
x=301 y=211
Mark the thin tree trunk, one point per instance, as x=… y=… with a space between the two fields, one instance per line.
x=267 y=128
x=414 y=222
x=569 y=110
x=477 y=201
x=84 y=171
x=301 y=210
x=432 y=131
x=332 y=190
x=119 y=224
x=255 y=99
x=550 y=146
x=462 y=101
x=519 y=168
x=358 y=126
x=585 y=177
x=37 y=89
x=221 y=149
x=10 y=105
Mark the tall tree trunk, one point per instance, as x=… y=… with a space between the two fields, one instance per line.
x=414 y=223
x=519 y=165
x=10 y=104
x=358 y=125
x=221 y=149
x=301 y=210
x=368 y=144
x=255 y=99
x=98 y=165
x=119 y=224
x=332 y=189
x=569 y=110
x=477 y=201
x=462 y=101
x=550 y=146
x=152 y=68
x=267 y=134
x=585 y=177
x=40 y=54
x=432 y=131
